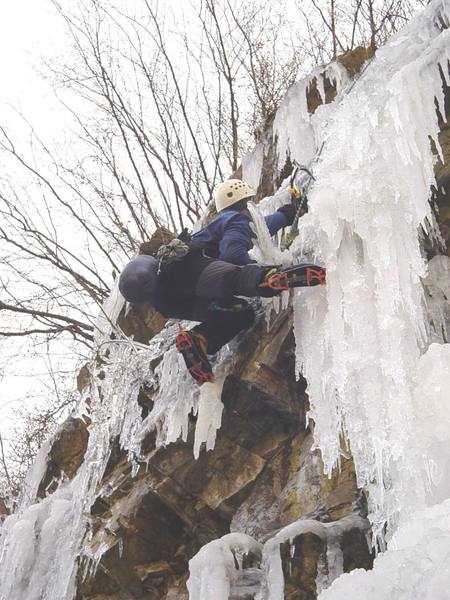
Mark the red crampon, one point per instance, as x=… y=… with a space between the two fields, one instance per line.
x=278 y=282
x=196 y=360
x=304 y=275
x=316 y=276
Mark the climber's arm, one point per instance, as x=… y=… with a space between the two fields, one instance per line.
x=236 y=241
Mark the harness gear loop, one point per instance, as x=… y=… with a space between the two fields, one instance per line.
x=171 y=252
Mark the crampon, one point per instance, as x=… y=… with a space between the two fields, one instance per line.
x=195 y=358
x=305 y=275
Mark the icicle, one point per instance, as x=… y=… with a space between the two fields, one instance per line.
x=34 y=476
x=252 y=164
x=264 y=250
x=292 y=127
x=108 y=314
x=331 y=564
x=337 y=74
x=209 y=416
x=217 y=565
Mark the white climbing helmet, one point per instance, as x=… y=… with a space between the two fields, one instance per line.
x=231 y=191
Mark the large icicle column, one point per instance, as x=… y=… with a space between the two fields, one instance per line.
x=360 y=339
x=220 y=564
x=416 y=565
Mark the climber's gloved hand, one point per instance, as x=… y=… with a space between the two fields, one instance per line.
x=298 y=205
x=289 y=211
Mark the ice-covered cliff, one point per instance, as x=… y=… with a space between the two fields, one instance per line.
x=153 y=473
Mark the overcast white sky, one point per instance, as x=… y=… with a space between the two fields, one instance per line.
x=29 y=31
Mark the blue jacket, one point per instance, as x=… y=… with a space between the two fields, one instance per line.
x=229 y=237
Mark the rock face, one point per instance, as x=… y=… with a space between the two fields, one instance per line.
x=261 y=476
x=66 y=454
x=442 y=172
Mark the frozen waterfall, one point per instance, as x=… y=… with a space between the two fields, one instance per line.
x=375 y=383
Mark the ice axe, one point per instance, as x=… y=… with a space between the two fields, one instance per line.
x=299 y=197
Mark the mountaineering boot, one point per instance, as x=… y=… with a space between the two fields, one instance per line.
x=304 y=275
x=193 y=346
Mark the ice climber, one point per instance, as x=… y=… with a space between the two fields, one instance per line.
x=203 y=278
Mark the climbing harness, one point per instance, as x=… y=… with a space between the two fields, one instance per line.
x=172 y=252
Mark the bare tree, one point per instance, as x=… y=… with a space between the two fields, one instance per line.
x=353 y=23
x=18 y=448
x=270 y=65
x=148 y=159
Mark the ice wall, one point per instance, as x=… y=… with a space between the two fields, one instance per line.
x=296 y=130
x=359 y=340
x=415 y=567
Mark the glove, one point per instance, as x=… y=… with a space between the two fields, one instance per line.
x=289 y=211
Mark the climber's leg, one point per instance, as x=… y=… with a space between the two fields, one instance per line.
x=208 y=278
x=203 y=289
x=221 y=321
x=220 y=280
x=193 y=347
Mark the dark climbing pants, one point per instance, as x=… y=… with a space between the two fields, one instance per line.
x=199 y=288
